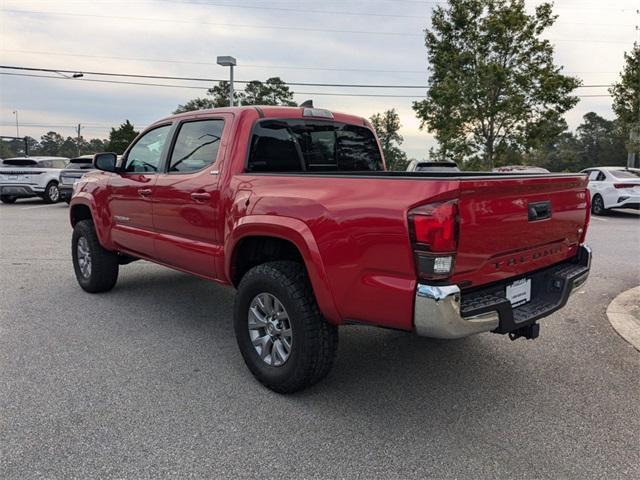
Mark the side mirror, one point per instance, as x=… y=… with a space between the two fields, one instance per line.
x=107 y=162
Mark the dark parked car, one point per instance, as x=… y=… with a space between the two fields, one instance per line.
x=76 y=168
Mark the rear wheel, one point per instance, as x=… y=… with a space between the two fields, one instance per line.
x=96 y=268
x=51 y=193
x=8 y=199
x=282 y=336
x=597 y=206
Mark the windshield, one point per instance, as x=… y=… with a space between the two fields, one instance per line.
x=631 y=173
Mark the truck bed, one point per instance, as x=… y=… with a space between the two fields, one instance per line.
x=360 y=223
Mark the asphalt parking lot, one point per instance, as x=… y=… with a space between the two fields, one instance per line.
x=146 y=381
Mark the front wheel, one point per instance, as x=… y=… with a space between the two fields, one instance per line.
x=51 y=193
x=597 y=206
x=96 y=268
x=282 y=336
x=8 y=199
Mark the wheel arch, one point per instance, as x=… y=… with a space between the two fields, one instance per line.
x=82 y=208
x=264 y=238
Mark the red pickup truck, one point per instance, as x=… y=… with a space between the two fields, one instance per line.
x=293 y=207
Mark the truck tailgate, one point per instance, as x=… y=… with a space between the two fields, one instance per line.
x=512 y=226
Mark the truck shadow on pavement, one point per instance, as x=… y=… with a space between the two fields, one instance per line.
x=479 y=396
x=376 y=371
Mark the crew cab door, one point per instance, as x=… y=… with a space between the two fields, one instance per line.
x=187 y=198
x=132 y=192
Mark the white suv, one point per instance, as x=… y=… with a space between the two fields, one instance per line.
x=613 y=187
x=24 y=177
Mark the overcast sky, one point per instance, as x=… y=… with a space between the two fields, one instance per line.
x=298 y=40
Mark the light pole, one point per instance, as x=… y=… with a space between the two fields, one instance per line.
x=15 y=112
x=230 y=62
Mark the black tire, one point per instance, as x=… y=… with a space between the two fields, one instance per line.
x=597 y=205
x=8 y=199
x=51 y=193
x=314 y=341
x=103 y=271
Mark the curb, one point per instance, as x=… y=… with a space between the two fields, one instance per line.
x=624 y=315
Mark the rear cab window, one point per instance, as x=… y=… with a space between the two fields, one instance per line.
x=301 y=145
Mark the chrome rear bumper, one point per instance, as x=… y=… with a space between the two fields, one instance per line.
x=439 y=309
x=437 y=314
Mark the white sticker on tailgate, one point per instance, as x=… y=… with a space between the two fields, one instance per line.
x=519 y=292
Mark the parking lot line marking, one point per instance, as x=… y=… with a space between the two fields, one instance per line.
x=601 y=219
x=38 y=206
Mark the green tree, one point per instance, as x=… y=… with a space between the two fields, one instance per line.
x=597 y=142
x=218 y=96
x=626 y=98
x=271 y=92
x=95 y=145
x=7 y=149
x=69 y=148
x=387 y=126
x=50 y=144
x=32 y=146
x=493 y=84
x=121 y=137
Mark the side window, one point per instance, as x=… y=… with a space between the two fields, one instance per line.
x=60 y=163
x=45 y=164
x=145 y=155
x=196 y=146
x=601 y=177
x=593 y=175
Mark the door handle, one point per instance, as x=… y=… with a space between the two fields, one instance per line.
x=144 y=192
x=200 y=196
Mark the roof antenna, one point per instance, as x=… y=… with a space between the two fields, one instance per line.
x=307 y=104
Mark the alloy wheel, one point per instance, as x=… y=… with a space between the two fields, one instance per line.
x=598 y=205
x=54 y=193
x=84 y=257
x=270 y=329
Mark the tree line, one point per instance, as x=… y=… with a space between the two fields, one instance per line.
x=55 y=145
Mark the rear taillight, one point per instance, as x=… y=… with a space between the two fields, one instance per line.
x=434 y=238
x=626 y=185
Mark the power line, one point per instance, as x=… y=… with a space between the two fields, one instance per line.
x=332 y=94
x=209 y=80
x=244 y=65
x=267 y=27
x=249 y=65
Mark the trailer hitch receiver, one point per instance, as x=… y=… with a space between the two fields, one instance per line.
x=530 y=332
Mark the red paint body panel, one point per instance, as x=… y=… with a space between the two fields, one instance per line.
x=497 y=240
x=351 y=231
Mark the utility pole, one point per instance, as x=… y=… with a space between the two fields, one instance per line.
x=78 y=139
x=15 y=112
